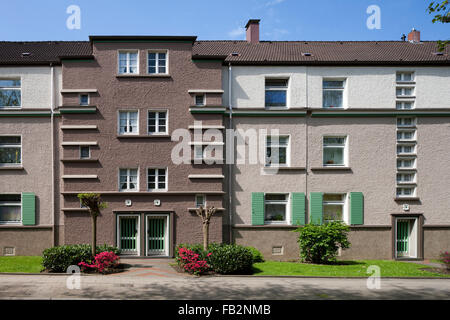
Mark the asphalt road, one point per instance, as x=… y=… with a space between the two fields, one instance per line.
x=220 y=288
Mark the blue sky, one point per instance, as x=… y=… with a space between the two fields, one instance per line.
x=218 y=20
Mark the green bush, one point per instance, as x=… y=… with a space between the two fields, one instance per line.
x=257 y=255
x=320 y=243
x=230 y=259
x=58 y=259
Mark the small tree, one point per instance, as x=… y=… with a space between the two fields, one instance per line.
x=441 y=11
x=93 y=202
x=205 y=214
x=320 y=243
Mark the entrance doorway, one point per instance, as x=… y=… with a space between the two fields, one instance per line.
x=157 y=235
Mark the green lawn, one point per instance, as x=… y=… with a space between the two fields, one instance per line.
x=355 y=268
x=25 y=264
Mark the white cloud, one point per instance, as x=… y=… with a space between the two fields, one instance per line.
x=237 y=32
x=273 y=3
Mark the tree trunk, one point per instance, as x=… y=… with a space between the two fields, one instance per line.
x=94 y=235
x=205 y=236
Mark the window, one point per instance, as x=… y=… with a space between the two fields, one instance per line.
x=276 y=92
x=406 y=149
x=10 y=208
x=157 y=62
x=85 y=152
x=406 y=122
x=404 y=92
x=157 y=122
x=406 y=191
x=200 y=100
x=128 y=122
x=200 y=201
x=333 y=93
x=276 y=208
x=128 y=179
x=10 y=150
x=404 y=105
x=84 y=99
x=406 y=135
x=157 y=179
x=405 y=76
x=128 y=62
x=334 y=151
x=409 y=177
x=405 y=163
x=333 y=207
x=10 y=93
x=277 y=150
x=199 y=152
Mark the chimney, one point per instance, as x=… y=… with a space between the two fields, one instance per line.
x=414 y=36
x=252 y=28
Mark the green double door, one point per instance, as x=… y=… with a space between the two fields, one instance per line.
x=403 y=241
x=154 y=235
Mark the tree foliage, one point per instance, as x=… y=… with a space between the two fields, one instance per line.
x=441 y=11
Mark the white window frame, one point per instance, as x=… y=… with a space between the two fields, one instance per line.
x=129 y=180
x=403 y=104
x=406 y=182
x=128 y=61
x=343 y=89
x=157 y=52
x=401 y=122
x=203 y=103
x=13 y=204
x=344 y=147
x=89 y=150
x=402 y=76
x=157 y=132
x=128 y=117
x=166 y=180
x=343 y=202
x=88 y=99
x=13 y=146
x=279 y=145
x=13 y=88
x=402 y=161
x=401 y=146
x=203 y=202
x=277 y=88
x=402 y=189
x=403 y=92
x=402 y=133
x=287 y=202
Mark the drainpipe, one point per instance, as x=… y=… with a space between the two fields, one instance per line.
x=306 y=137
x=52 y=104
x=230 y=165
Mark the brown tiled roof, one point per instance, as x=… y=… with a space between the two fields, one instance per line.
x=42 y=52
x=322 y=52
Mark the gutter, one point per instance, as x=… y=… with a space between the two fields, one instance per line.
x=230 y=165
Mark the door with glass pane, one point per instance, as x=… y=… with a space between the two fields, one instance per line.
x=157 y=235
x=402 y=239
x=128 y=234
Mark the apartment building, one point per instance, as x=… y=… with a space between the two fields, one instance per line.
x=30 y=80
x=362 y=128
x=347 y=130
x=122 y=107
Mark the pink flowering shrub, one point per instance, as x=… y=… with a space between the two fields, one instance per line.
x=192 y=262
x=103 y=262
x=445 y=258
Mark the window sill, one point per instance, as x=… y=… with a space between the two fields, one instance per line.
x=143 y=76
x=79 y=160
x=19 y=167
x=194 y=209
x=269 y=226
x=283 y=168
x=330 y=168
x=406 y=199
x=406 y=169
x=405 y=97
x=141 y=136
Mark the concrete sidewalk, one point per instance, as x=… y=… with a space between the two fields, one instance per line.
x=135 y=267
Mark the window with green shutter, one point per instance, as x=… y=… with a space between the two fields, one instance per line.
x=257 y=208
x=298 y=208
x=28 y=208
x=316 y=207
x=356 y=208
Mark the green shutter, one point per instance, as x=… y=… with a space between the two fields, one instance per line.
x=356 y=208
x=298 y=208
x=257 y=208
x=316 y=207
x=28 y=209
